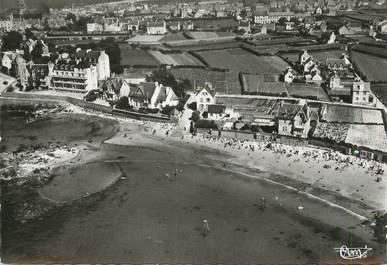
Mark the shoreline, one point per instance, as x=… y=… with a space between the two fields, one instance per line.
x=143 y=167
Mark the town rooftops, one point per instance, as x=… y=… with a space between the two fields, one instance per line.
x=70 y=65
x=334 y=62
x=157 y=24
x=113 y=84
x=87 y=54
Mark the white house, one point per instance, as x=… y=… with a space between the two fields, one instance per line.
x=294 y=119
x=71 y=75
x=289 y=76
x=335 y=82
x=152 y=95
x=203 y=98
x=308 y=65
x=304 y=56
x=6 y=62
x=115 y=88
x=94 y=27
x=382 y=26
x=361 y=93
x=156 y=28
x=98 y=58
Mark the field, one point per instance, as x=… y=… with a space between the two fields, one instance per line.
x=201 y=35
x=260 y=85
x=133 y=56
x=347 y=114
x=300 y=90
x=173 y=37
x=240 y=60
x=221 y=81
x=196 y=45
x=321 y=55
x=373 y=67
x=175 y=59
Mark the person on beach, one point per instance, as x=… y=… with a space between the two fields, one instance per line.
x=206 y=227
x=263 y=203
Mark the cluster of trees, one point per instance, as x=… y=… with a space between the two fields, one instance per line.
x=166 y=78
x=109 y=45
x=11 y=41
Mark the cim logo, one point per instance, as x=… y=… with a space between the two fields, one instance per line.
x=353 y=253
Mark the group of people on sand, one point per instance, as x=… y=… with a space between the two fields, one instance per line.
x=329 y=158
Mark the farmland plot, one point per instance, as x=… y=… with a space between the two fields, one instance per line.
x=134 y=56
x=320 y=55
x=175 y=59
x=243 y=61
x=373 y=67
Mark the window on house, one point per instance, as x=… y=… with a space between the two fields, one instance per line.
x=208 y=99
x=364 y=99
x=201 y=100
x=357 y=98
x=364 y=93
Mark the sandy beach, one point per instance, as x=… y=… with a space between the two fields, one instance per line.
x=168 y=185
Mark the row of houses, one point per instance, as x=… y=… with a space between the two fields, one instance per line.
x=343 y=126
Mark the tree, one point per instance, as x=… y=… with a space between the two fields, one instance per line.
x=295 y=20
x=123 y=103
x=12 y=41
x=164 y=77
x=282 y=20
x=29 y=34
x=37 y=52
x=26 y=53
x=72 y=17
x=195 y=117
x=182 y=86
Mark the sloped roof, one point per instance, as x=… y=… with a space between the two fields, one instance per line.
x=89 y=55
x=288 y=111
x=112 y=84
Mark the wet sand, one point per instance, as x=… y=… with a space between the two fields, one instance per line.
x=151 y=217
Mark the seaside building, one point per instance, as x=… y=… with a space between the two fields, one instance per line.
x=152 y=95
x=294 y=119
x=203 y=99
x=72 y=75
x=98 y=58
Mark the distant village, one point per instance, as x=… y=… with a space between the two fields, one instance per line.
x=297 y=71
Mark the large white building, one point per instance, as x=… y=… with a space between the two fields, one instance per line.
x=71 y=75
x=80 y=72
x=272 y=17
x=98 y=58
x=361 y=93
x=94 y=27
x=156 y=28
